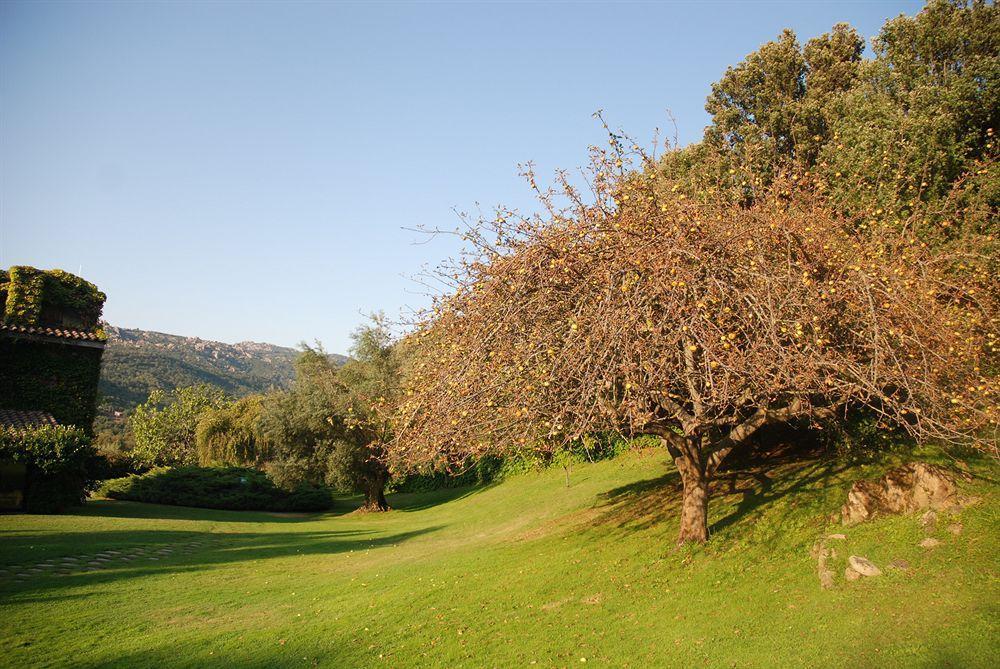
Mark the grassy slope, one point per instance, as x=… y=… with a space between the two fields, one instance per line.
x=525 y=572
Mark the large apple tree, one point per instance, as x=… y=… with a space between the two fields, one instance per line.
x=648 y=310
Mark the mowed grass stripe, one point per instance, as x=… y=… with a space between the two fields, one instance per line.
x=527 y=571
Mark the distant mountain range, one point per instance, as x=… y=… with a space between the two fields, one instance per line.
x=138 y=361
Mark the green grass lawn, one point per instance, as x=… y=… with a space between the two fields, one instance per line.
x=527 y=572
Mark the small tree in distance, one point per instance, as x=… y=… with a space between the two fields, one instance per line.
x=333 y=423
x=231 y=435
x=638 y=310
x=164 y=426
x=368 y=388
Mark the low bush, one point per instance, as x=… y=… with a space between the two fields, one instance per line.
x=111 y=464
x=58 y=464
x=234 y=488
x=493 y=469
x=485 y=470
x=864 y=433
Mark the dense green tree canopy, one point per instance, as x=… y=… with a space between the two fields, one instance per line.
x=164 y=426
x=230 y=434
x=332 y=425
x=300 y=424
x=369 y=386
x=904 y=129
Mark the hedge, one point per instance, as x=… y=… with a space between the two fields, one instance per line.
x=234 y=488
x=58 y=460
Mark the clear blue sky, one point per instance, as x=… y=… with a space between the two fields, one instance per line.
x=244 y=171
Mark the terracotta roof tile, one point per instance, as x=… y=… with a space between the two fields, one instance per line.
x=52 y=332
x=22 y=419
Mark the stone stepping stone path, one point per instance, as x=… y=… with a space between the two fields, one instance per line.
x=71 y=564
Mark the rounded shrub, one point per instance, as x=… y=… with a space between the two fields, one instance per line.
x=234 y=488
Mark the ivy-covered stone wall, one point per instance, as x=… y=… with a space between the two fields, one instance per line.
x=50 y=376
x=44 y=372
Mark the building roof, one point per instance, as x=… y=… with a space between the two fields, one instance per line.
x=20 y=419
x=58 y=333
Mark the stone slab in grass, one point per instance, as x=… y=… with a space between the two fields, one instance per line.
x=864 y=566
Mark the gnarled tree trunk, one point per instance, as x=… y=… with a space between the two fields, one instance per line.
x=696 y=461
x=375 y=496
x=698 y=455
x=694 y=504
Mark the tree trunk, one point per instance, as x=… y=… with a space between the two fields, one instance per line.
x=694 y=507
x=697 y=459
x=375 y=497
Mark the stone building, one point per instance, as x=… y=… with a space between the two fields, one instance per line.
x=51 y=344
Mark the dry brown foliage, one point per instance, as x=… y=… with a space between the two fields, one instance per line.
x=639 y=310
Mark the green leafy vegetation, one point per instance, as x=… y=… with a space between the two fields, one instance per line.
x=56 y=378
x=33 y=297
x=333 y=424
x=329 y=428
x=164 y=426
x=58 y=461
x=231 y=434
x=46 y=375
x=905 y=129
x=235 y=488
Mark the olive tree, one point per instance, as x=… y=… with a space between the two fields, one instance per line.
x=368 y=389
x=333 y=423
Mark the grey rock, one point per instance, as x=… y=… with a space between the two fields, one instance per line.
x=822 y=568
x=955 y=528
x=850 y=574
x=930 y=542
x=863 y=566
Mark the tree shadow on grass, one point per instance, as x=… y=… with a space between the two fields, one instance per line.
x=419 y=501
x=410 y=501
x=111 y=508
x=641 y=504
x=190 y=552
x=758 y=488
